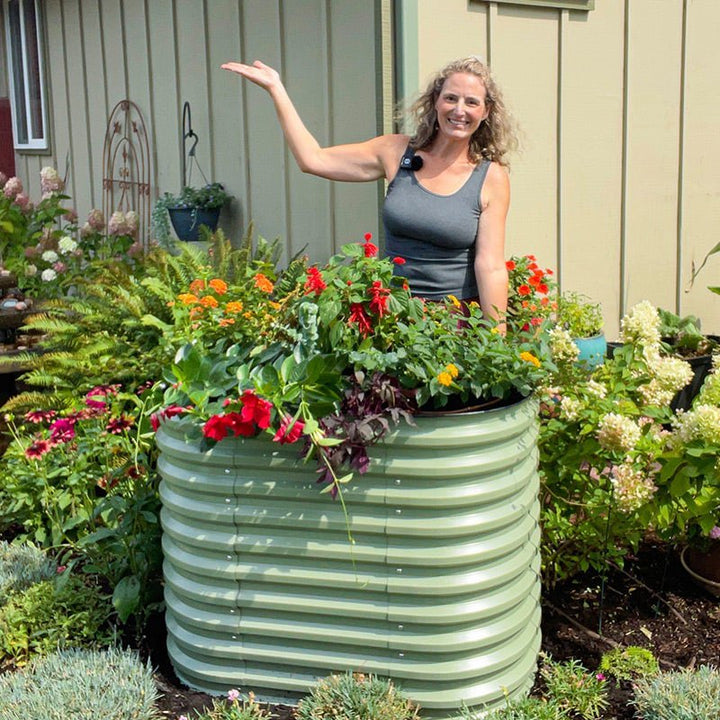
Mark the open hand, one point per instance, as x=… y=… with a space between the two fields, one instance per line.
x=258 y=73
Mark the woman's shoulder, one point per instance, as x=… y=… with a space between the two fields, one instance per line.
x=393 y=148
x=496 y=187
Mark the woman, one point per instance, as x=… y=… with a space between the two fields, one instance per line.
x=448 y=192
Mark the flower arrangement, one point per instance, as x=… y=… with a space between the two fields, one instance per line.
x=331 y=355
x=532 y=292
x=579 y=315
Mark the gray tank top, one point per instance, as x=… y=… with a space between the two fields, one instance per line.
x=434 y=234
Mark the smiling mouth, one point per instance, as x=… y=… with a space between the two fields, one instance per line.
x=458 y=123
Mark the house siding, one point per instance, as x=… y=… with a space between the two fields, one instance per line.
x=616 y=184
x=161 y=53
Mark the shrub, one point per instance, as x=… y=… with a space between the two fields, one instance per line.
x=22 y=566
x=680 y=695
x=80 y=684
x=51 y=614
x=234 y=708
x=526 y=709
x=573 y=688
x=629 y=663
x=355 y=697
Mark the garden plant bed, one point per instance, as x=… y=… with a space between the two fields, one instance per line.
x=652 y=603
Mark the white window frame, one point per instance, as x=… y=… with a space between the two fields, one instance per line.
x=26 y=136
x=559 y=4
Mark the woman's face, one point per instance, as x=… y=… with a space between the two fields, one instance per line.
x=461 y=105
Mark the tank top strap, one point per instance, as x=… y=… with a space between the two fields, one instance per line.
x=406 y=160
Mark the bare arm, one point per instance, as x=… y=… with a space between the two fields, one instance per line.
x=490 y=269
x=356 y=162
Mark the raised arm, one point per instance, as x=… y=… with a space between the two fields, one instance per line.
x=490 y=269
x=356 y=162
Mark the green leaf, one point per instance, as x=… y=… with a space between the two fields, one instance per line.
x=126 y=596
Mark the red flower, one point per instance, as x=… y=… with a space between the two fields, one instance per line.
x=290 y=431
x=314 y=282
x=378 y=298
x=237 y=425
x=170 y=411
x=399 y=260
x=359 y=316
x=510 y=265
x=38 y=449
x=255 y=410
x=542 y=288
x=370 y=248
x=215 y=428
x=524 y=290
x=38 y=416
x=117 y=425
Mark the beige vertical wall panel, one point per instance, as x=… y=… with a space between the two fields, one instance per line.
x=654 y=55
x=701 y=159
x=446 y=37
x=80 y=155
x=266 y=159
x=529 y=82
x=113 y=28
x=60 y=116
x=225 y=92
x=353 y=76
x=97 y=110
x=308 y=196
x=163 y=127
x=591 y=130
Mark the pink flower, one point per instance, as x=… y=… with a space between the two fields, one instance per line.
x=599 y=677
x=23 y=201
x=290 y=431
x=233 y=695
x=59 y=267
x=13 y=187
x=715 y=533
x=50 y=181
x=117 y=425
x=62 y=430
x=96 y=220
x=3 y=179
x=118 y=224
x=38 y=416
x=170 y=411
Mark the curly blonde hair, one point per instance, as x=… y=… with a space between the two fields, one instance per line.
x=495 y=137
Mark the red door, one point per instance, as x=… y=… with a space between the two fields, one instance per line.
x=7 y=151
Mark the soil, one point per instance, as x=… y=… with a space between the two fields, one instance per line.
x=651 y=603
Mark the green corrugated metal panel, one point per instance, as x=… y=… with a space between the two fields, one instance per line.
x=439 y=591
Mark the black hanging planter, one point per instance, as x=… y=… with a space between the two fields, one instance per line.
x=187 y=221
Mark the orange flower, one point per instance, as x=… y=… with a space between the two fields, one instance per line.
x=224 y=322
x=524 y=290
x=197 y=286
x=209 y=301
x=262 y=282
x=274 y=305
x=510 y=265
x=188 y=298
x=219 y=286
x=234 y=307
x=197 y=311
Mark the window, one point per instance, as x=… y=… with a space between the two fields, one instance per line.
x=27 y=86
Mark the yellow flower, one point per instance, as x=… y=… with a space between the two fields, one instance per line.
x=274 y=305
x=187 y=298
x=529 y=357
x=445 y=378
x=454 y=301
x=452 y=369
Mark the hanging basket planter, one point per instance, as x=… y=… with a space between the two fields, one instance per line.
x=186 y=222
x=439 y=590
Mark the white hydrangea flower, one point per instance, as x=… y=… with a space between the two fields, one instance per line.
x=700 y=423
x=66 y=245
x=710 y=391
x=30 y=270
x=631 y=487
x=597 y=389
x=669 y=374
x=562 y=347
x=50 y=256
x=570 y=408
x=48 y=275
x=618 y=432
x=641 y=325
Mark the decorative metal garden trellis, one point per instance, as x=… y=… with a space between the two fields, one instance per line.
x=126 y=166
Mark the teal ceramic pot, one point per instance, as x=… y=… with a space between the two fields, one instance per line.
x=439 y=591
x=592 y=350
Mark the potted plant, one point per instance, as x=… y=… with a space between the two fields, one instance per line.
x=424 y=567
x=192 y=209
x=583 y=319
x=682 y=336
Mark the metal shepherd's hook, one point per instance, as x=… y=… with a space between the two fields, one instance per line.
x=187 y=133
